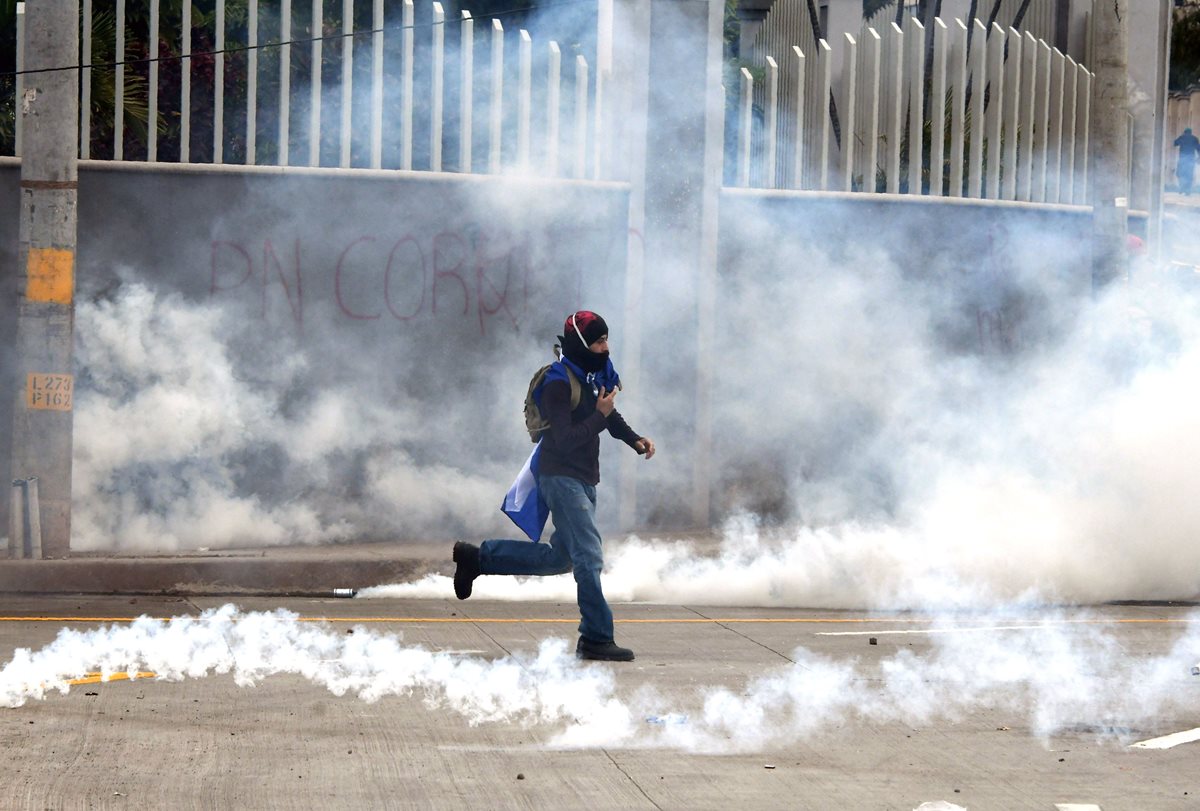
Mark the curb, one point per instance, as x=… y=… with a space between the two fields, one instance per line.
x=212 y=575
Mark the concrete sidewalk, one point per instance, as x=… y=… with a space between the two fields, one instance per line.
x=281 y=570
x=304 y=570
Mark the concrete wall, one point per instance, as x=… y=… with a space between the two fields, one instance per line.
x=848 y=324
x=420 y=303
x=415 y=306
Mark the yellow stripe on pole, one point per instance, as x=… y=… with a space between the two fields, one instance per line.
x=51 y=275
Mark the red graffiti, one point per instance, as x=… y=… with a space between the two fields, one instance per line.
x=272 y=274
x=337 y=283
x=471 y=274
x=387 y=279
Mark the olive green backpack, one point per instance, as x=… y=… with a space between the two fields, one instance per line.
x=535 y=423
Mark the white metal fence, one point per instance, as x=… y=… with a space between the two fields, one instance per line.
x=954 y=110
x=950 y=111
x=305 y=85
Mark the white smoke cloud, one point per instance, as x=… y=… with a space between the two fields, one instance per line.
x=181 y=444
x=904 y=475
x=1065 y=476
x=1052 y=671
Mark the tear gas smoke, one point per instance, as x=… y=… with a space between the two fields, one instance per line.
x=180 y=445
x=1053 y=671
x=1060 y=473
x=911 y=408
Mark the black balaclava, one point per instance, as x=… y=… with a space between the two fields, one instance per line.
x=581 y=330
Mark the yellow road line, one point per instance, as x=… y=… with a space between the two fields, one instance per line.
x=97 y=678
x=634 y=621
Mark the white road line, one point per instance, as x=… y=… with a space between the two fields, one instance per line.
x=1076 y=807
x=1167 y=741
x=934 y=630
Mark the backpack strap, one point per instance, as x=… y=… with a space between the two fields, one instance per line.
x=576 y=387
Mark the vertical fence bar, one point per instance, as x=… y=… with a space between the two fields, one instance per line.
x=1070 y=84
x=495 y=107
x=20 y=80
x=219 y=84
x=581 y=115
x=436 y=113
x=872 y=62
x=772 y=126
x=85 y=80
x=377 y=45
x=821 y=106
x=316 y=31
x=524 y=96
x=1029 y=52
x=119 y=86
x=1083 y=112
x=600 y=133
x=870 y=126
x=895 y=111
x=916 y=104
x=185 y=86
x=347 y=81
x=799 y=135
x=1054 y=134
x=285 y=81
x=466 y=102
x=152 y=96
x=958 y=108
x=1042 y=124
x=995 y=108
x=406 y=85
x=553 y=103
x=745 y=122
x=937 y=123
x=251 y=84
x=849 y=82
x=1012 y=113
x=978 y=124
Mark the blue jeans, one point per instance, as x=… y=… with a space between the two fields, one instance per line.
x=575 y=545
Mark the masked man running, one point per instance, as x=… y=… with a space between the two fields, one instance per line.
x=568 y=472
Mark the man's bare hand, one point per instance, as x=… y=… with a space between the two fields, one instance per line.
x=644 y=446
x=607 y=401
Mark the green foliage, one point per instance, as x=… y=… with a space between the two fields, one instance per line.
x=8 y=63
x=137 y=112
x=1185 y=50
x=872 y=7
x=732 y=29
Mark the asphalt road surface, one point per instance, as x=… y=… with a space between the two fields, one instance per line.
x=468 y=708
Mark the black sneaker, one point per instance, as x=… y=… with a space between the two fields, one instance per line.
x=602 y=651
x=466 y=555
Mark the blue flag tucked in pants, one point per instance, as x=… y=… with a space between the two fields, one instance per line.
x=523 y=504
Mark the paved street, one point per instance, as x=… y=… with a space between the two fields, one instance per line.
x=829 y=728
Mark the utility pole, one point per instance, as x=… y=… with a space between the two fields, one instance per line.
x=44 y=383
x=1110 y=142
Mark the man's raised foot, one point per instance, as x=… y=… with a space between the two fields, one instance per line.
x=466 y=555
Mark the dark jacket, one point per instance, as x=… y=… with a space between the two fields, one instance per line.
x=572 y=445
